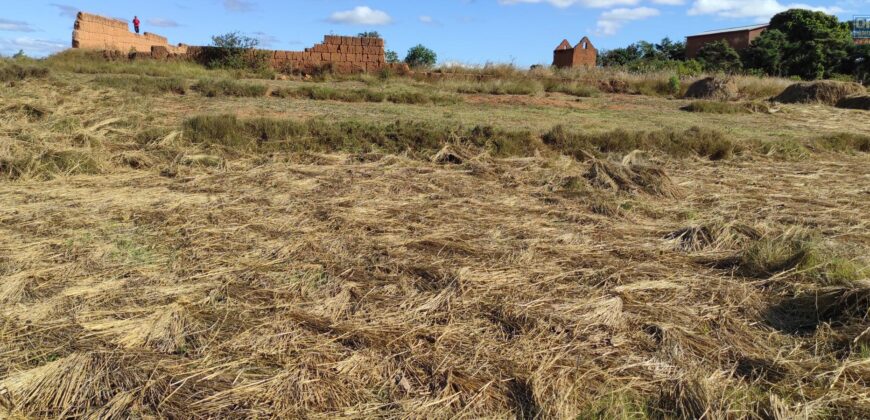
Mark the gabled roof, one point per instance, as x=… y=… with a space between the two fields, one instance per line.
x=737 y=29
x=585 y=41
x=565 y=45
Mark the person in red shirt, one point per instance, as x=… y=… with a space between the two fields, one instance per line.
x=136 y=23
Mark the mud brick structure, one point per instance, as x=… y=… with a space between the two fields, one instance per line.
x=582 y=55
x=106 y=34
x=341 y=54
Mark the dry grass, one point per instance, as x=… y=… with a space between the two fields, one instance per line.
x=254 y=262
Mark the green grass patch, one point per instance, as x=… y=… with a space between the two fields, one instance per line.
x=803 y=254
x=842 y=142
x=499 y=87
x=49 y=164
x=703 y=142
x=719 y=107
x=213 y=88
x=318 y=135
x=362 y=95
x=11 y=71
x=145 y=85
x=581 y=90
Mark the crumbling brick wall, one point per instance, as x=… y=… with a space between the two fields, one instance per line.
x=342 y=54
x=582 y=55
x=107 y=34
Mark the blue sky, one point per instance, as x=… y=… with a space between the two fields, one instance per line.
x=470 y=31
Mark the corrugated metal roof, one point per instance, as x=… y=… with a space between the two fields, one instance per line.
x=737 y=29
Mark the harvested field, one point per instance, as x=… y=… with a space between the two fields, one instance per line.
x=236 y=256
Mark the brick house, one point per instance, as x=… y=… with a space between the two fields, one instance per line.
x=738 y=38
x=582 y=55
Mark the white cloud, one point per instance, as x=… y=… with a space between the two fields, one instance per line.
x=162 y=23
x=669 y=2
x=31 y=46
x=66 y=10
x=265 y=40
x=361 y=15
x=238 y=5
x=427 y=19
x=568 y=3
x=760 y=10
x=611 y=21
x=15 y=26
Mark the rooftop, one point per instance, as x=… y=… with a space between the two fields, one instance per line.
x=737 y=29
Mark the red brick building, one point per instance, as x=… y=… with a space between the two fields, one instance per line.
x=583 y=54
x=738 y=38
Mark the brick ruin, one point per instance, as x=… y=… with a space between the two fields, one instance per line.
x=101 y=33
x=341 y=54
x=582 y=55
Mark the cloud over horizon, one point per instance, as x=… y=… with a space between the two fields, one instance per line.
x=361 y=15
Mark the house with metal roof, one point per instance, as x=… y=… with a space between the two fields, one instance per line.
x=739 y=38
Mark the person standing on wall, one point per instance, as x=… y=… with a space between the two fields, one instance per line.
x=136 y=23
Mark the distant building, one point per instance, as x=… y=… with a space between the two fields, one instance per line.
x=583 y=55
x=738 y=38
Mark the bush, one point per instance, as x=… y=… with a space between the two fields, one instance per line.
x=236 y=51
x=420 y=56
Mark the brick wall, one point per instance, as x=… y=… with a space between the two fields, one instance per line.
x=738 y=40
x=342 y=54
x=345 y=54
x=107 y=34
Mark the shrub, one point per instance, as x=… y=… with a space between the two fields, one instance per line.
x=420 y=56
x=236 y=51
x=674 y=85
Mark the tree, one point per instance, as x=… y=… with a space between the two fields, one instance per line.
x=719 y=56
x=766 y=52
x=392 y=56
x=620 y=56
x=369 y=34
x=801 y=43
x=420 y=56
x=671 y=50
x=20 y=55
x=236 y=51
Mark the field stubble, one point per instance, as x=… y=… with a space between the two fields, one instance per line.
x=212 y=269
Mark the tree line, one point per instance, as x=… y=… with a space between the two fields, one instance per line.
x=797 y=43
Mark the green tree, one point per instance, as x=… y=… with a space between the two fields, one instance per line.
x=620 y=56
x=420 y=56
x=392 y=56
x=719 y=56
x=802 y=43
x=369 y=34
x=671 y=50
x=20 y=55
x=766 y=52
x=236 y=51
